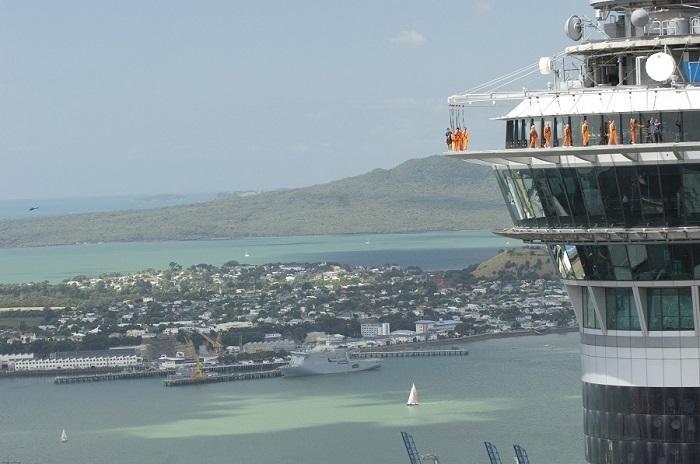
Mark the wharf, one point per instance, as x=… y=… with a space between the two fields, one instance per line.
x=180 y=381
x=110 y=376
x=142 y=374
x=409 y=354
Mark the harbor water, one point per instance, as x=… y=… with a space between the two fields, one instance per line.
x=430 y=251
x=517 y=390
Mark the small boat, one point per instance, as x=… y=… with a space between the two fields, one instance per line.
x=246 y=254
x=412 y=397
x=64 y=436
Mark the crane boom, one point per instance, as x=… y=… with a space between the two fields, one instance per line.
x=492 y=451
x=410 y=444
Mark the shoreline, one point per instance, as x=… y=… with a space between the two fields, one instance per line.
x=471 y=339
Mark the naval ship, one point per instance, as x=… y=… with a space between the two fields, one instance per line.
x=333 y=361
x=603 y=168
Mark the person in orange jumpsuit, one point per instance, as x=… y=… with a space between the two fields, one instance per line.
x=465 y=139
x=585 y=133
x=612 y=134
x=547 y=135
x=534 y=137
x=634 y=131
x=568 y=139
x=455 y=139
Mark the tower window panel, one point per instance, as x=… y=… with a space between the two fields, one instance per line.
x=592 y=197
x=559 y=197
x=691 y=193
x=620 y=262
x=638 y=261
x=610 y=194
x=574 y=195
x=590 y=320
x=670 y=309
x=681 y=265
x=628 y=183
x=650 y=195
x=671 y=184
x=621 y=311
x=575 y=260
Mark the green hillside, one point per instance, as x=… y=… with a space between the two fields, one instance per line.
x=427 y=194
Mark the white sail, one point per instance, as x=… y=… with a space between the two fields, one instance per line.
x=413 y=396
x=64 y=436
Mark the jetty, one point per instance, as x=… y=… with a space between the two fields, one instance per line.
x=141 y=374
x=409 y=354
x=255 y=375
x=146 y=373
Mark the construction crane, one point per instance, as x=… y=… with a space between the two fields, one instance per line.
x=520 y=455
x=413 y=455
x=197 y=372
x=492 y=451
x=217 y=344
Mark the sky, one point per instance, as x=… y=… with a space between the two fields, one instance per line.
x=170 y=96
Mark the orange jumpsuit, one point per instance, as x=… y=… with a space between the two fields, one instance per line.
x=534 y=138
x=547 y=134
x=465 y=139
x=568 y=139
x=455 y=139
x=612 y=138
x=634 y=131
x=585 y=134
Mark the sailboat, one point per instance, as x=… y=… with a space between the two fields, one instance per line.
x=412 y=397
x=246 y=254
x=64 y=436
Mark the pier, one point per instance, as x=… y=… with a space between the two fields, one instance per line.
x=180 y=381
x=409 y=354
x=110 y=376
x=142 y=374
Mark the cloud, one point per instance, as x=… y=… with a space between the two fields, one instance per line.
x=409 y=38
x=484 y=6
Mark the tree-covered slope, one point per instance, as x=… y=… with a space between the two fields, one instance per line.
x=427 y=194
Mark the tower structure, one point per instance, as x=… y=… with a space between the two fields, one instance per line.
x=616 y=200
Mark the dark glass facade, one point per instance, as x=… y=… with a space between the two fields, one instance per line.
x=621 y=310
x=631 y=262
x=603 y=196
x=641 y=425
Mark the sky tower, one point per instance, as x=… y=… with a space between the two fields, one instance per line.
x=603 y=168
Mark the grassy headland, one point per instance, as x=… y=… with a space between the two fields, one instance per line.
x=428 y=194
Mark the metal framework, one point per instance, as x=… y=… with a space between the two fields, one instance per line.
x=606 y=235
x=410 y=444
x=492 y=451
x=521 y=455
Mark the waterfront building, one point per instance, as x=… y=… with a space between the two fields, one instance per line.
x=616 y=200
x=81 y=360
x=375 y=329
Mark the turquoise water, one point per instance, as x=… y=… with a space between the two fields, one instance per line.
x=435 y=250
x=520 y=390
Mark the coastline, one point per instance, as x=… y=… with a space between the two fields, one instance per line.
x=471 y=339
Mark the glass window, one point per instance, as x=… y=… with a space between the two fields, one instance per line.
x=561 y=260
x=592 y=197
x=681 y=264
x=650 y=195
x=574 y=195
x=549 y=206
x=526 y=194
x=575 y=260
x=691 y=126
x=670 y=309
x=638 y=262
x=513 y=209
x=628 y=184
x=691 y=193
x=590 y=319
x=658 y=262
x=620 y=309
x=560 y=200
x=620 y=262
x=611 y=198
x=671 y=187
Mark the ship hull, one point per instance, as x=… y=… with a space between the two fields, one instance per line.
x=330 y=368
